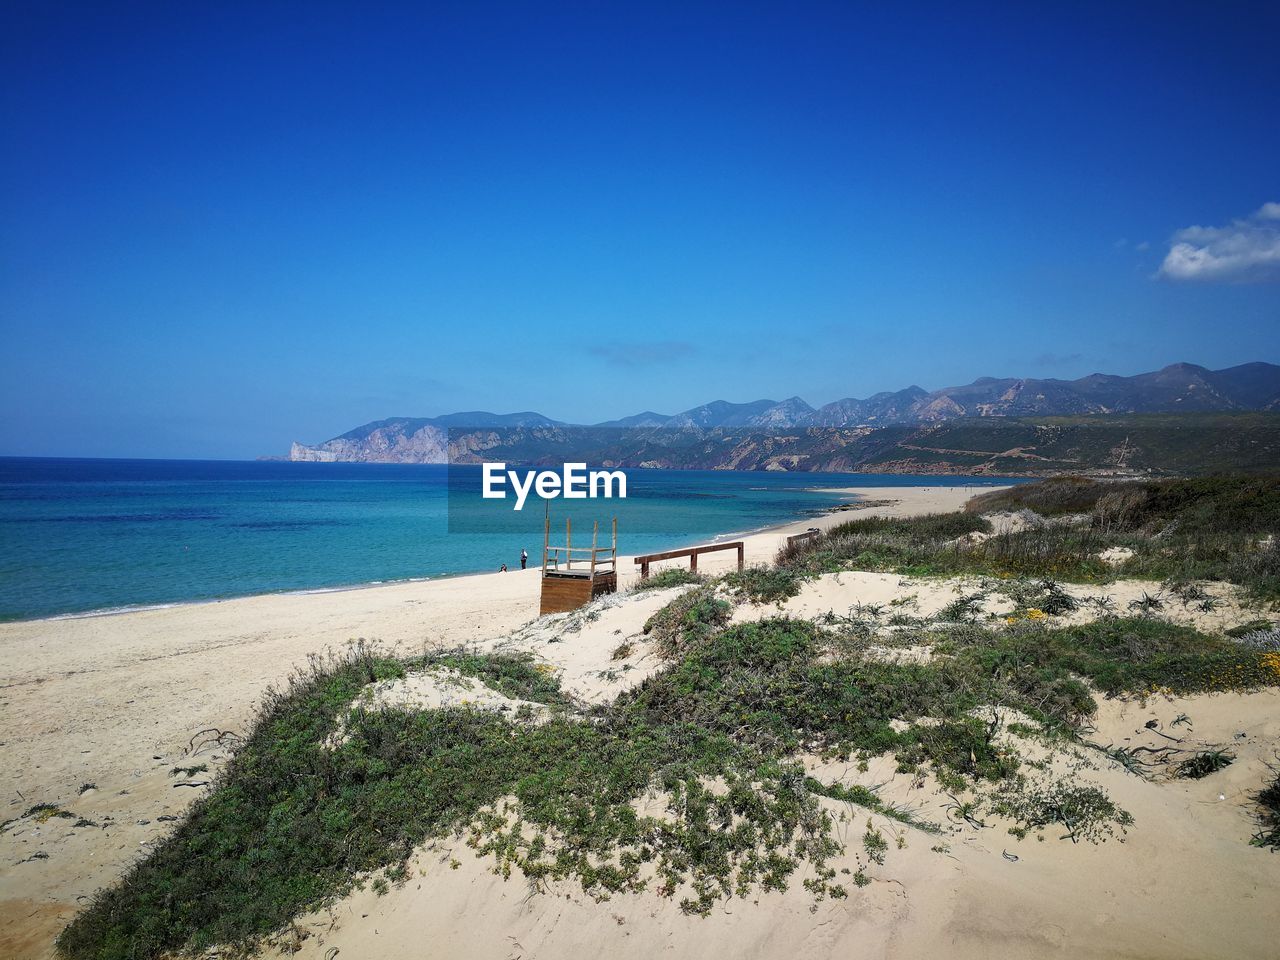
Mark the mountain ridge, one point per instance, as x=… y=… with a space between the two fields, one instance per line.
x=1178 y=387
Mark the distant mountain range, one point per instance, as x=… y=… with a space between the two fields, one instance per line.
x=829 y=433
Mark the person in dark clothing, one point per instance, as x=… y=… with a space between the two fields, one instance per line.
x=524 y=559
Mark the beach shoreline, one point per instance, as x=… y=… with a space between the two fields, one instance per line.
x=850 y=496
x=123 y=721
x=99 y=709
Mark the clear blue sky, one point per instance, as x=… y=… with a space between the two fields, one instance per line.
x=227 y=226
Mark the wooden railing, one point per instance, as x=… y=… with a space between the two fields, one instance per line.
x=692 y=553
x=802 y=537
x=597 y=559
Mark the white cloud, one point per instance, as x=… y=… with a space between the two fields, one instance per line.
x=1247 y=249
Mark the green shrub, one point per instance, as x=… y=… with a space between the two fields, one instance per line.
x=519 y=676
x=295 y=816
x=1053 y=497
x=687 y=620
x=1225 y=503
x=773 y=684
x=326 y=789
x=963 y=746
x=1119 y=655
x=671 y=577
x=763 y=584
x=1251 y=626
x=1083 y=810
x=1211 y=528
x=928 y=528
x=385 y=668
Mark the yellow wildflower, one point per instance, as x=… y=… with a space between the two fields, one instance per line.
x=1271 y=661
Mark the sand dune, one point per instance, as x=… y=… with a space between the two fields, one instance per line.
x=115 y=701
x=1182 y=882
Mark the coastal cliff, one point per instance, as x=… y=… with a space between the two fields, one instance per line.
x=428 y=444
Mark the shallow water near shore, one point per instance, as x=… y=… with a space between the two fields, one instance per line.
x=91 y=535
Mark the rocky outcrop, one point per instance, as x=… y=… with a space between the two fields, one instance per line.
x=428 y=444
x=312 y=454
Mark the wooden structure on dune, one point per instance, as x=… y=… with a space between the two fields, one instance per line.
x=569 y=582
x=692 y=553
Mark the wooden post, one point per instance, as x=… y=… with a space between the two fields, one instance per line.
x=568 y=544
x=692 y=553
x=615 y=544
x=595 y=532
x=546 y=542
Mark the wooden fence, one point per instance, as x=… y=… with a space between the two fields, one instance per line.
x=692 y=553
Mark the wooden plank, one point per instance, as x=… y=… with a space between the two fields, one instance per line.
x=604 y=583
x=561 y=593
x=692 y=553
x=689 y=552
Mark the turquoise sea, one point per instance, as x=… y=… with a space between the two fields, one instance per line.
x=91 y=535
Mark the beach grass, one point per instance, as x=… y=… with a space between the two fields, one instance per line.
x=1179 y=531
x=1268 y=799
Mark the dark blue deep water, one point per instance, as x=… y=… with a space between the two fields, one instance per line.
x=84 y=535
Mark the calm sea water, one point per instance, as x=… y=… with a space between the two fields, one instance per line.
x=88 y=535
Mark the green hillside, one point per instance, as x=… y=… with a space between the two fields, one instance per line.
x=1135 y=443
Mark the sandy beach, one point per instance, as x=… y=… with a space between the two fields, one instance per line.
x=114 y=700
x=97 y=713
x=338 y=342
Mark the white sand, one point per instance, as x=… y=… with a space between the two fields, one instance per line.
x=1183 y=884
x=114 y=701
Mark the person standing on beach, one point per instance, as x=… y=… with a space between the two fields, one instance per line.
x=524 y=559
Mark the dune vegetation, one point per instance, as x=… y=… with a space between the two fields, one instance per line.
x=333 y=790
x=1080 y=530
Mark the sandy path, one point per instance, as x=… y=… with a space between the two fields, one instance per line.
x=114 y=700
